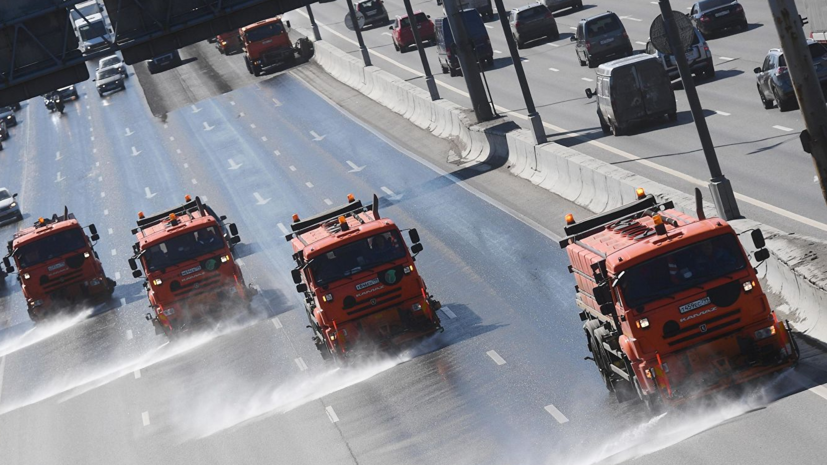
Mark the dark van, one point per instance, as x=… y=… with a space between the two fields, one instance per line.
x=446 y=47
x=600 y=39
x=632 y=90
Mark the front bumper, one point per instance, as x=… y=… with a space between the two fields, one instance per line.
x=11 y=215
x=697 y=66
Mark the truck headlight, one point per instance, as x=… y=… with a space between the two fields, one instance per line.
x=225 y=259
x=764 y=333
x=407 y=269
x=94 y=282
x=748 y=285
x=169 y=311
x=85 y=254
x=642 y=323
x=157 y=282
x=13 y=204
x=26 y=276
x=416 y=307
x=37 y=303
x=327 y=298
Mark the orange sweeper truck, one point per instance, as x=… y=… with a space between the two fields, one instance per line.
x=57 y=265
x=191 y=272
x=672 y=307
x=360 y=286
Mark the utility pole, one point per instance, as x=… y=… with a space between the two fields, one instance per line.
x=468 y=62
x=805 y=82
x=429 y=78
x=533 y=116
x=719 y=185
x=362 y=48
x=316 y=34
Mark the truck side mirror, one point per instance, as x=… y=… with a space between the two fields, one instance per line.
x=589 y=93
x=7 y=263
x=233 y=229
x=223 y=217
x=758 y=239
x=93 y=229
x=574 y=38
x=235 y=240
x=94 y=237
x=757 y=70
x=301 y=288
x=136 y=273
x=603 y=295
x=416 y=248
x=287 y=23
x=761 y=255
x=414 y=235
x=390 y=28
x=297 y=275
x=133 y=265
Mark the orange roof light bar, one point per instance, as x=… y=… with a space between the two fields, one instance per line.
x=295 y=217
x=173 y=217
x=140 y=215
x=351 y=198
x=187 y=198
x=342 y=220
x=569 y=219
x=640 y=193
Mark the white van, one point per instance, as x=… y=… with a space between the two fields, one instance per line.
x=92 y=32
x=86 y=9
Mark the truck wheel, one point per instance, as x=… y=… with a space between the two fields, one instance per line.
x=595 y=348
x=651 y=402
x=248 y=65
x=256 y=71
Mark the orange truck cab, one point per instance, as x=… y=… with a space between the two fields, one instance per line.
x=361 y=288
x=673 y=308
x=228 y=43
x=57 y=265
x=266 y=44
x=191 y=272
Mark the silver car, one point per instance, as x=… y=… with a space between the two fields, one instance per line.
x=698 y=58
x=9 y=208
x=109 y=79
x=114 y=61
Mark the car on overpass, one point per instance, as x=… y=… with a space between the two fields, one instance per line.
x=698 y=58
x=714 y=16
x=774 y=83
x=374 y=12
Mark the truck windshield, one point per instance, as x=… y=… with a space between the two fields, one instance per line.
x=187 y=246
x=50 y=247
x=357 y=256
x=676 y=271
x=263 y=32
x=93 y=30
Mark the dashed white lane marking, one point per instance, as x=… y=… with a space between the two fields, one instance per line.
x=103 y=194
x=554 y=69
x=123 y=301
x=233 y=165
x=171 y=138
x=391 y=194
x=783 y=128
x=100 y=178
x=239 y=261
x=283 y=229
x=572 y=28
x=106 y=212
x=241 y=114
x=447 y=311
x=331 y=414
x=301 y=364
x=128 y=132
x=138 y=374
x=57 y=156
x=111 y=231
x=114 y=252
x=149 y=193
x=640 y=43
x=489 y=27
x=128 y=334
x=496 y=357
x=94 y=150
x=292 y=168
x=316 y=137
x=722 y=113
x=93 y=138
x=207 y=127
x=178 y=151
x=264 y=138
x=59 y=178
x=587 y=79
x=135 y=152
x=117 y=275
x=815 y=178
x=97 y=163
x=145 y=418
x=277 y=152
x=386 y=34
x=552 y=44
x=252 y=125
x=232 y=103
x=558 y=415
x=89 y=118
x=726 y=58
x=276 y=102
x=166 y=126
x=497 y=51
x=309 y=184
x=328 y=201
x=524 y=59
x=194 y=181
x=354 y=168
x=259 y=199
x=277 y=323
x=186 y=165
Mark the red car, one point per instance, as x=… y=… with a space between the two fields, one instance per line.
x=402 y=34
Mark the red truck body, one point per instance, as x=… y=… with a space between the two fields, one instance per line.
x=672 y=306
x=57 y=265
x=361 y=288
x=191 y=271
x=266 y=44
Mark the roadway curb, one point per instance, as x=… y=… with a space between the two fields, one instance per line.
x=791 y=272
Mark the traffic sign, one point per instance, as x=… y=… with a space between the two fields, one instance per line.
x=657 y=32
x=360 y=20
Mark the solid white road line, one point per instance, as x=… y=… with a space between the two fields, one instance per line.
x=302 y=366
x=331 y=414
x=128 y=334
x=558 y=415
x=117 y=275
x=496 y=357
x=145 y=418
x=554 y=69
x=596 y=143
x=138 y=373
x=276 y=321
x=722 y=113
x=783 y=128
x=447 y=311
x=2 y=370
x=283 y=229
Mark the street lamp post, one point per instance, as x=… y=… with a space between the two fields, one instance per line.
x=362 y=48
x=316 y=34
x=429 y=78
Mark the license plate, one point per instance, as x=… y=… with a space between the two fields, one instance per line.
x=690 y=56
x=723 y=13
x=606 y=41
x=371 y=13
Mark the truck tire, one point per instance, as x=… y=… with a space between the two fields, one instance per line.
x=651 y=402
x=256 y=70
x=595 y=347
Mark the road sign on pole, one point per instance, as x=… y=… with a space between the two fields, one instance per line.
x=360 y=20
x=657 y=33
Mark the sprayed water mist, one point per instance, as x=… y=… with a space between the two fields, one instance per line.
x=40 y=332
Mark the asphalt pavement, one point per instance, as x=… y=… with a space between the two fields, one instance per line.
x=758 y=149
x=505 y=383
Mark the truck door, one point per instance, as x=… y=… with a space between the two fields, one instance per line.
x=655 y=87
x=627 y=101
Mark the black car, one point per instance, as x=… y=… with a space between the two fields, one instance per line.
x=374 y=12
x=600 y=39
x=7 y=116
x=68 y=93
x=164 y=62
x=714 y=16
x=774 y=82
x=530 y=22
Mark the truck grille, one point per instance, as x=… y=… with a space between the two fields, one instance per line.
x=694 y=330
x=197 y=288
x=378 y=302
x=66 y=279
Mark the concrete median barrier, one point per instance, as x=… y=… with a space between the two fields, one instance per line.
x=792 y=272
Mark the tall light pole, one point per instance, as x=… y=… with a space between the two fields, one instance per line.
x=316 y=34
x=533 y=116
x=426 y=67
x=362 y=48
x=468 y=62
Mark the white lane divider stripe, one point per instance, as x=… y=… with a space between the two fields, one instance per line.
x=722 y=113
x=117 y=275
x=302 y=366
x=283 y=229
x=111 y=231
x=554 y=69
x=138 y=373
x=309 y=184
x=558 y=415
x=264 y=138
x=726 y=58
x=640 y=43
x=128 y=334
x=277 y=323
x=331 y=414
x=496 y=357
x=447 y=311
x=783 y=128
x=2 y=370
x=114 y=252
x=145 y=418
x=292 y=168
x=587 y=79
x=328 y=201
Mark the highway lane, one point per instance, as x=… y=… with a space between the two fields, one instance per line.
x=479 y=393
x=757 y=151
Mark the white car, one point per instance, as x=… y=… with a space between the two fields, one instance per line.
x=109 y=79
x=114 y=61
x=9 y=208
